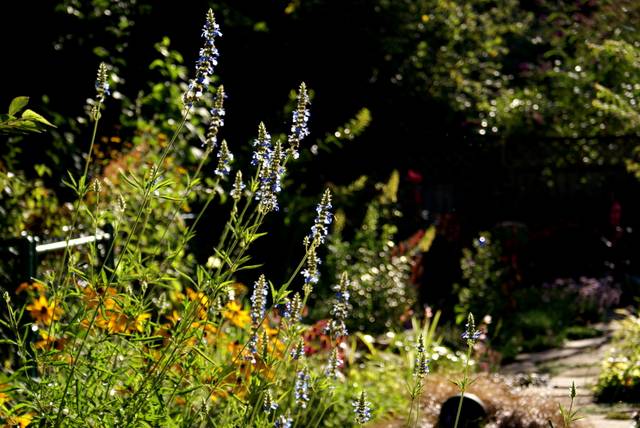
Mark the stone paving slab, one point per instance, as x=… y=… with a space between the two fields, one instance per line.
x=600 y=421
x=565 y=382
x=589 y=371
x=593 y=342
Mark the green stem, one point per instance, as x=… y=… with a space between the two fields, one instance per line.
x=463 y=387
x=147 y=193
x=179 y=203
x=81 y=191
x=417 y=410
x=159 y=375
x=410 y=411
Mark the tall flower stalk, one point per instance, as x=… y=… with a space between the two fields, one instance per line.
x=362 y=409
x=204 y=70
x=471 y=336
x=299 y=123
x=340 y=309
x=420 y=371
x=206 y=63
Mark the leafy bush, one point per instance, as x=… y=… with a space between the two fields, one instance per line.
x=591 y=298
x=528 y=317
x=619 y=379
x=380 y=273
x=483 y=273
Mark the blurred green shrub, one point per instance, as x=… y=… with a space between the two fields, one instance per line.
x=619 y=379
x=383 y=295
x=483 y=274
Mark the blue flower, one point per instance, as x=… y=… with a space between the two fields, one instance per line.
x=334 y=364
x=252 y=345
x=225 y=157
x=207 y=60
x=311 y=274
x=340 y=309
x=297 y=351
x=320 y=228
x=262 y=149
x=301 y=387
x=283 y=422
x=471 y=335
x=102 y=83
x=238 y=187
x=292 y=309
x=217 y=120
x=299 y=125
x=270 y=173
x=259 y=300
x=362 y=409
x=269 y=405
x=421 y=367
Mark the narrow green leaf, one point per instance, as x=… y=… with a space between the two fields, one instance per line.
x=132 y=181
x=203 y=355
x=249 y=267
x=170 y=198
x=33 y=116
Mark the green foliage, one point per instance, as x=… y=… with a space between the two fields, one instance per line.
x=380 y=274
x=453 y=51
x=619 y=379
x=539 y=329
x=620 y=99
x=347 y=132
x=28 y=121
x=575 y=332
x=484 y=275
x=576 y=82
x=27 y=205
x=569 y=416
x=528 y=317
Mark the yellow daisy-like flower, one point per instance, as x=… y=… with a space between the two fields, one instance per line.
x=31 y=286
x=43 y=311
x=201 y=299
x=174 y=317
x=4 y=397
x=139 y=322
x=48 y=342
x=22 y=420
x=236 y=315
x=116 y=322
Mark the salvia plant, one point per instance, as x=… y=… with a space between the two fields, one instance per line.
x=142 y=342
x=420 y=370
x=470 y=336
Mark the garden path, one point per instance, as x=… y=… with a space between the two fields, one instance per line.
x=577 y=361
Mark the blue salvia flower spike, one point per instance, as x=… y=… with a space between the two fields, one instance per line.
x=205 y=65
x=300 y=119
